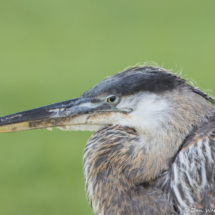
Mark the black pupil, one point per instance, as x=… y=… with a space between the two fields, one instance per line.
x=112 y=98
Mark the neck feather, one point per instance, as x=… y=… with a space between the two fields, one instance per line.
x=119 y=173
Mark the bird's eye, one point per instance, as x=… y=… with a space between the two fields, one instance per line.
x=111 y=99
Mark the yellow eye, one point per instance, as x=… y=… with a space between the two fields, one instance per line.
x=111 y=99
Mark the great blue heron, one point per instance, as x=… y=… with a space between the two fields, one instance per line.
x=154 y=147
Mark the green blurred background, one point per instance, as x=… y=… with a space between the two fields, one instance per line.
x=54 y=50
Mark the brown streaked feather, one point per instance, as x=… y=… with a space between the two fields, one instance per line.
x=194 y=167
x=111 y=166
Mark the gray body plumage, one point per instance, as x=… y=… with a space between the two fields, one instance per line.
x=153 y=151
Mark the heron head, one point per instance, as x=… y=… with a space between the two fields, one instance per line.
x=143 y=98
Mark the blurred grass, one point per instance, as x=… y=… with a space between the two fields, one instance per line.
x=55 y=50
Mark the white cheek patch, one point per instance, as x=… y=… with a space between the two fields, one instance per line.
x=149 y=111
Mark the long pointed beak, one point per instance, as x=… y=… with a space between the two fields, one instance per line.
x=71 y=112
